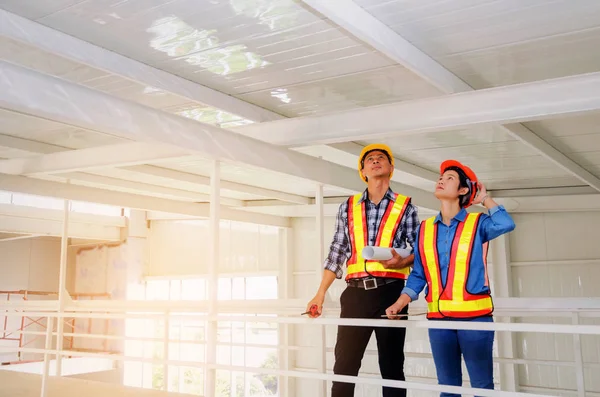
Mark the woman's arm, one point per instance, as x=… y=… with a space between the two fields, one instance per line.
x=416 y=280
x=498 y=222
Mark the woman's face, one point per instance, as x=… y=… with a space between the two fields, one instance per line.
x=448 y=186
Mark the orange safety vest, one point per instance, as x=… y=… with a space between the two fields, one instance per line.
x=358 y=267
x=453 y=300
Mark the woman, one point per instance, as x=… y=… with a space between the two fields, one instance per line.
x=450 y=258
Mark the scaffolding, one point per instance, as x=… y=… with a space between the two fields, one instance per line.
x=27 y=322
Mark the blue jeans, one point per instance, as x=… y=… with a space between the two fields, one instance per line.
x=447 y=345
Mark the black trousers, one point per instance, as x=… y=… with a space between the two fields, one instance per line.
x=352 y=341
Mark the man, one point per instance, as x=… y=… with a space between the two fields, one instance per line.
x=377 y=217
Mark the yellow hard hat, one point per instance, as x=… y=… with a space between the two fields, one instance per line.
x=369 y=148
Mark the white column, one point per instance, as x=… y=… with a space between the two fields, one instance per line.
x=166 y=349
x=285 y=292
x=62 y=287
x=579 y=371
x=509 y=374
x=322 y=340
x=210 y=374
x=46 y=370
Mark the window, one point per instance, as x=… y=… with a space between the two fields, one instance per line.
x=5 y=197
x=187 y=338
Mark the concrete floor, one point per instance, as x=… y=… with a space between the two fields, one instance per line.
x=16 y=384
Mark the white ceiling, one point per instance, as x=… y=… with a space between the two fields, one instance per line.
x=292 y=62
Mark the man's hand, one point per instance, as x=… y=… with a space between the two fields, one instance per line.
x=397 y=306
x=397 y=262
x=317 y=300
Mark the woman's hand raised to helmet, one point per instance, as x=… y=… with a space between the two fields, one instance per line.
x=481 y=193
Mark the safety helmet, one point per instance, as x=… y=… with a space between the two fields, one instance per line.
x=369 y=148
x=470 y=176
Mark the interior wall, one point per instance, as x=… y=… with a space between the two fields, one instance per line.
x=33 y=265
x=556 y=255
x=100 y=269
x=182 y=248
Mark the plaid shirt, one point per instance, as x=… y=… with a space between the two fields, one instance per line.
x=340 y=249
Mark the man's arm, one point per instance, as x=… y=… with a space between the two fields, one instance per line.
x=328 y=279
x=338 y=253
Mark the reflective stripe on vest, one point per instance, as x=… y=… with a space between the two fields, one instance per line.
x=453 y=300
x=358 y=232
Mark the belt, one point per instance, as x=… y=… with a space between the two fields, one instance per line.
x=370 y=282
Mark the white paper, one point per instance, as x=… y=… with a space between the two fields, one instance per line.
x=382 y=254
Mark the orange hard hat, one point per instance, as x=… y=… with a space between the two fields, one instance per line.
x=369 y=148
x=471 y=178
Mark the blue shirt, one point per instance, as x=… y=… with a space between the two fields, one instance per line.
x=497 y=223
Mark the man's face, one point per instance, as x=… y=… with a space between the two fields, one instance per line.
x=376 y=165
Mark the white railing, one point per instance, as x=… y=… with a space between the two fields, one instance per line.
x=287 y=312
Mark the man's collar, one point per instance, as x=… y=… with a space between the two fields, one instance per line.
x=461 y=216
x=389 y=195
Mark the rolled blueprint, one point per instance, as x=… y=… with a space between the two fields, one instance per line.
x=382 y=254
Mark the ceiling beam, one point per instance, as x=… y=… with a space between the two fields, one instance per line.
x=34 y=147
x=26 y=91
x=24 y=211
x=48 y=222
x=40 y=187
x=521 y=102
x=117 y=184
x=22 y=237
x=167 y=173
x=47 y=39
x=109 y=156
x=26 y=145
x=44 y=227
x=360 y=23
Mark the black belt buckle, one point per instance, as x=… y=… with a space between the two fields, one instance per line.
x=369 y=283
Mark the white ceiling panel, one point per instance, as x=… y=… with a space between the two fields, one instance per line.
x=493 y=43
x=577 y=136
x=567 y=126
x=449 y=27
x=501 y=150
x=442 y=139
x=33 y=9
x=514 y=183
x=577 y=143
x=546 y=58
x=210 y=43
x=526 y=174
x=371 y=88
